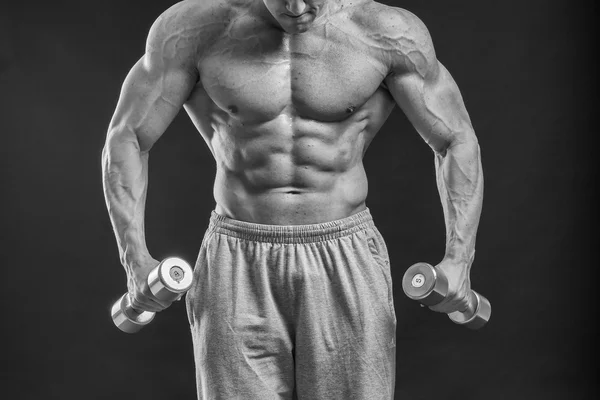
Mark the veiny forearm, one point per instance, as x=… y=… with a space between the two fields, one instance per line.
x=460 y=184
x=125 y=181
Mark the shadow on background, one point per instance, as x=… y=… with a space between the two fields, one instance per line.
x=527 y=75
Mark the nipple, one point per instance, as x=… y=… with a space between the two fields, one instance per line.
x=350 y=109
x=233 y=109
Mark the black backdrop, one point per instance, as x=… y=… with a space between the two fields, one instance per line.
x=527 y=72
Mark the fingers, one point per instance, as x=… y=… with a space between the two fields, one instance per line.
x=456 y=302
x=145 y=301
x=140 y=296
x=465 y=304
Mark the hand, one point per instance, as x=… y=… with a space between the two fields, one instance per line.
x=459 y=287
x=139 y=293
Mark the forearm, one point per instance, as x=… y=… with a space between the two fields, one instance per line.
x=460 y=184
x=125 y=181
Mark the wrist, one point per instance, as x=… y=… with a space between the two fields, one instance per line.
x=133 y=258
x=459 y=256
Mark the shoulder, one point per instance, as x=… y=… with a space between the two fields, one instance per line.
x=187 y=25
x=400 y=35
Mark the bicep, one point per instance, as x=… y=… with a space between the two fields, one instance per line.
x=433 y=104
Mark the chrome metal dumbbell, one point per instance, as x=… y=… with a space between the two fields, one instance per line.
x=170 y=280
x=429 y=286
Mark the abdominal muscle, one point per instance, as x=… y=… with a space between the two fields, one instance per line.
x=290 y=172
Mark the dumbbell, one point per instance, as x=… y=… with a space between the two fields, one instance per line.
x=429 y=286
x=170 y=280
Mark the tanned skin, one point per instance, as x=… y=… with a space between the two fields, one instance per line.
x=287 y=95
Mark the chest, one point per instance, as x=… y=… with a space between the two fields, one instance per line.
x=325 y=75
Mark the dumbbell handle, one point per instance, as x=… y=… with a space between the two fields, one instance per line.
x=429 y=286
x=135 y=314
x=130 y=310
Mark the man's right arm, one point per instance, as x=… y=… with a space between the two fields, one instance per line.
x=153 y=93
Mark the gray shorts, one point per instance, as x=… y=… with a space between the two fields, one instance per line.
x=293 y=312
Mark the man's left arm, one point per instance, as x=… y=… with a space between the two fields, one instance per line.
x=431 y=100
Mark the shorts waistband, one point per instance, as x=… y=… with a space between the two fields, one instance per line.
x=291 y=233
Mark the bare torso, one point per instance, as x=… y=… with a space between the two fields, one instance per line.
x=288 y=111
x=287 y=117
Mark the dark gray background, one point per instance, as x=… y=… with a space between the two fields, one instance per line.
x=527 y=72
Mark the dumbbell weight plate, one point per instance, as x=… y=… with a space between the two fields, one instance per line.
x=421 y=282
x=477 y=315
x=170 y=279
x=126 y=318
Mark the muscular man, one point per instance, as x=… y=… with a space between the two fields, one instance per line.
x=292 y=294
